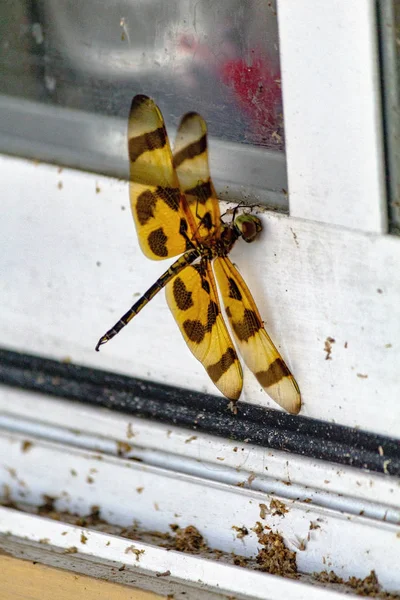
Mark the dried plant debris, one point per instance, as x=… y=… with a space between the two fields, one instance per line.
x=240 y=561
x=277 y=508
x=123 y=448
x=263 y=511
x=369 y=586
x=26 y=445
x=7 y=498
x=191 y=439
x=328 y=347
x=273 y=556
x=188 y=540
x=325 y=577
x=129 y=432
x=164 y=574
x=134 y=551
x=300 y=543
x=241 y=531
x=92 y=519
x=48 y=509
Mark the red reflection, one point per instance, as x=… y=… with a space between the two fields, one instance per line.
x=257 y=90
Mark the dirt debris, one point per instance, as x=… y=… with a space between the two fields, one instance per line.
x=92 y=519
x=274 y=557
x=123 y=448
x=135 y=551
x=26 y=445
x=369 y=586
x=328 y=347
x=277 y=508
x=47 y=508
x=263 y=511
x=188 y=539
x=241 y=531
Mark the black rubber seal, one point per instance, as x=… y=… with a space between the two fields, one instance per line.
x=200 y=412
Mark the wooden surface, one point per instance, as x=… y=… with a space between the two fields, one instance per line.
x=23 y=580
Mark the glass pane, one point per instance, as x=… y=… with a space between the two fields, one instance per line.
x=389 y=20
x=90 y=58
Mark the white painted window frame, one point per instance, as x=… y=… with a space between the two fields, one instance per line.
x=333 y=112
x=336 y=184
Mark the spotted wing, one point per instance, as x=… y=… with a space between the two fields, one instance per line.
x=191 y=164
x=193 y=300
x=158 y=207
x=255 y=345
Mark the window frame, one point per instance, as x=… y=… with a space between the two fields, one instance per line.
x=333 y=112
x=311 y=168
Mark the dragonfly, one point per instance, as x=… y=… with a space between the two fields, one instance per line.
x=176 y=212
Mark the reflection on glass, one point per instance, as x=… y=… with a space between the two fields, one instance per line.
x=218 y=58
x=389 y=29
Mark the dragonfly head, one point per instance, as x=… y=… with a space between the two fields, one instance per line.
x=248 y=226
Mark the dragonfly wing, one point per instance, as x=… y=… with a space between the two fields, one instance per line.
x=191 y=164
x=159 y=209
x=193 y=300
x=254 y=343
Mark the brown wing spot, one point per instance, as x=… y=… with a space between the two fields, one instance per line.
x=205 y=285
x=182 y=297
x=156 y=241
x=195 y=330
x=216 y=370
x=171 y=196
x=200 y=268
x=145 y=207
x=212 y=314
x=202 y=192
x=147 y=141
x=191 y=150
x=183 y=227
x=275 y=372
x=234 y=291
x=246 y=328
x=206 y=221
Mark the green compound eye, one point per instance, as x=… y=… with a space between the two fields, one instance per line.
x=249 y=227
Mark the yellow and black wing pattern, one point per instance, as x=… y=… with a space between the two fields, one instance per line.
x=176 y=212
x=162 y=220
x=255 y=345
x=192 y=167
x=193 y=300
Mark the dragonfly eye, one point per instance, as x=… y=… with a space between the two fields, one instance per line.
x=249 y=227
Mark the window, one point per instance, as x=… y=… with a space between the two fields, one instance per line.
x=389 y=21
x=133 y=439
x=79 y=66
